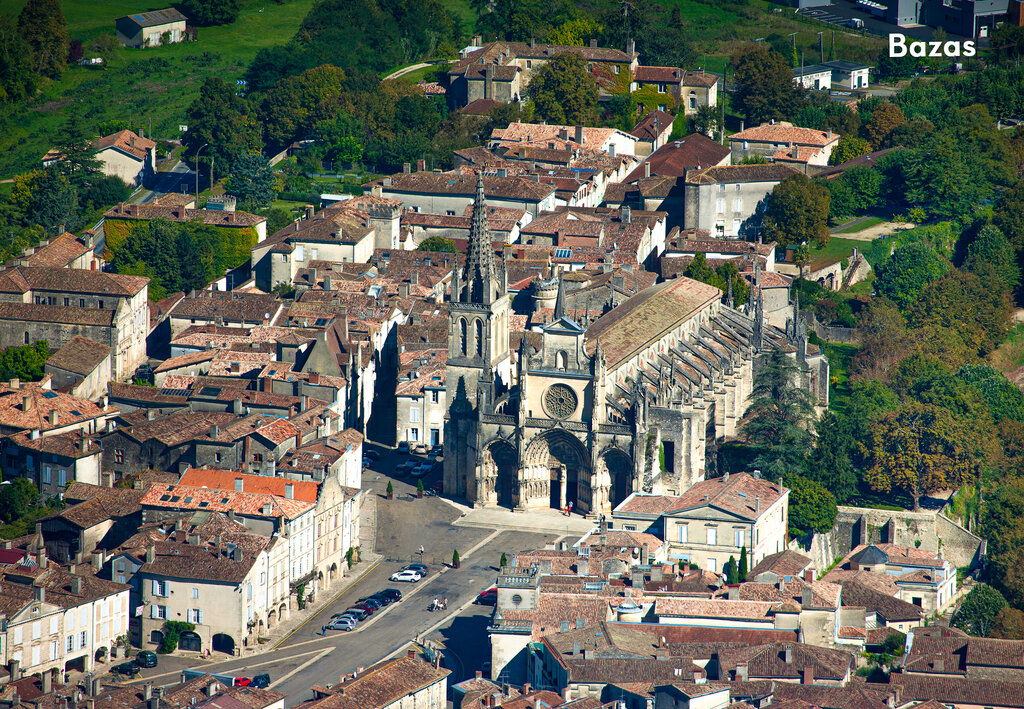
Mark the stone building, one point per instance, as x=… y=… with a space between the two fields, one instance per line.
x=634 y=402
x=58 y=304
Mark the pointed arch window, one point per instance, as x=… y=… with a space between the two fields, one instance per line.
x=561 y=360
x=463 y=336
x=479 y=332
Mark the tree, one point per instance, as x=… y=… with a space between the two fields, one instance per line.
x=977 y=613
x=252 y=181
x=743 y=564
x=707 y=121
x=991 y=249
x=1004 y=399
x=296 y=105
x=849 y=147
x=887 y=67
x=221 y=120
x=797 y=212
x=829 y=463
x=17 y=75
x=563 y=91
x=729 y=571
x=17 y=498
x=25 y=362
x=54 y=201
x=1008 y=215
x=884 y=120
x=865 y=185
x=812 y=508
x=390 y=490
x=766 y=87
x=205 y=13
x=42 y=25
x=455 y=559
x=1009 y=624
x=575 y=32
x=778 y=415
x=419 y=487
x=437 y=243
x=920 y=448
x=77 y=156
x=902 y=276
x=977 y=310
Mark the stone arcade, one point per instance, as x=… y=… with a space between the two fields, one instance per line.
x=633 y=402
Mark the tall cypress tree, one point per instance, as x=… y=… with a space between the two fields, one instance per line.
x=43 y=26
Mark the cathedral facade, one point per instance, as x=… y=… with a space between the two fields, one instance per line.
x=633 y=402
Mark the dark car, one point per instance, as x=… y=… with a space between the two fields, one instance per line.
x=418 y=568
x=370 y=608
x=260 y=681
x=145 y=658
x=129 y=669
x=393 y=593
x=487 y=598
x=377 y=603
x=382 y=599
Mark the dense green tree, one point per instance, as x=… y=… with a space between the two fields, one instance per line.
x=991 y=249
x=103 y=191
x=563 y=91
x=437 y=243
x=904 y=275
x=221 y=120
x=707 y=121
x=252 y=181
x=74 y=143
x=42 y=25
x=25 y=362
x=947 y=177
x=766 y=88
x=812 y=508
x=54 y=201
x=977 y=310
x=720 y=277
x=295 y=105
x=17 y=497
x=209 y=12
x=743 y=564
x=778 y=417
x=1002 y=524
x=865 y=184
x=921 y=448
x=1009 y=624
x=977 y=612
x=1004 y=399
x=17 y=75
x=829 y=464
x=797 y=212
x=849 y=147
x=341 y=139
x=888 y=68
x=1008 y=215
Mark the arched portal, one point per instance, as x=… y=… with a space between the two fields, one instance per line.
x=500 y=461
x=224 y=643
x=190 y=642
x=568 y=468
x=620 y=475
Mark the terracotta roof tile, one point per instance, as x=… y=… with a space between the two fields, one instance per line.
x=80 y=355
x=783 y=132
x=128 y=141
x=381 y=685
x=253 y=504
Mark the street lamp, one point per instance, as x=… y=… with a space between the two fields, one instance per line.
x=197 y=172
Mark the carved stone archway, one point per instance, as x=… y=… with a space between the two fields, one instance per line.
x=557 y=472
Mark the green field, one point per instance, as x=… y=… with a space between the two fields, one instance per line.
x=835 y=250
x=144 y=86
x=860 y=226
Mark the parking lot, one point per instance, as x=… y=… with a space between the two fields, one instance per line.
x=842 y=11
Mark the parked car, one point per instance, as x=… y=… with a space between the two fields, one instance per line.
x=370 y=453
x=436 y=450
x=406 y=575
x=393 y=593
x=146 y=658
x=382 y=600
x=422 y=470
x=357 y=613
x=487 y=598
x=420 y=569
x=403 y=446
x=345 y=623
x=403 y=468
x=243 y=681
x=260 y=681
x=376 y=602
x=419 y=449
x=370 y=608
x=127 y=669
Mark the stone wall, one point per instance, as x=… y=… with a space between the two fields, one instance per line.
x=928 y=531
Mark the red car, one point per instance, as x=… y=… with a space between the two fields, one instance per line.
x=487 y=598
x=242 y=681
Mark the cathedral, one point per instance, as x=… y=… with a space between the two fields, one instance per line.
x=633 y=402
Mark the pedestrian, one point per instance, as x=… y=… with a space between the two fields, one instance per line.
x=323 y=630
x=421 y=551
x=444 y=604
x=570 y=507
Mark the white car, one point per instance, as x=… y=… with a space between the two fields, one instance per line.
x=406 y=575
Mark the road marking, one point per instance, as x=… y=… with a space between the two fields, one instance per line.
x=301 y=667
x=327 y=605
x=208 y=667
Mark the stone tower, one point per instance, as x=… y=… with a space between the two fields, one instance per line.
x=479 y=360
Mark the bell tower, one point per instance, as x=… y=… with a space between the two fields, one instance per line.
x=479 y=361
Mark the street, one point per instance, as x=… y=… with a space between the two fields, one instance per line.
x=306 y=658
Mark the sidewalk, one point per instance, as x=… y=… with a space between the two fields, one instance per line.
x=539 y=521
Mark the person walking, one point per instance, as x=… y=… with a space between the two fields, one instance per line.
x=323 y=630
x=570 y=508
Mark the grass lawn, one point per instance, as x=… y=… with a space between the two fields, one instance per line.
x=836 y=249
x=839 y=360
x=1009 y=356
x=860 y=226
x=145 y=86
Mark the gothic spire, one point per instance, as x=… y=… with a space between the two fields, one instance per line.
x=480 y=276
x=560 y=299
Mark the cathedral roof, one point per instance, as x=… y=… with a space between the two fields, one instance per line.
x=647 y=316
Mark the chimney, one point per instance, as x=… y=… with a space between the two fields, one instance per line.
x=96 y=686
x=310 y=211
x=593 y=44
x=734 y=593
x=14 y=669
x=411 y=654
x=583 y=567
x=406 y=168
x=788 y=653
x=647 y=168
x=479 y=674
x=150 y=554
x=26 y=401
x=97 y=560
x=47 y=681
x=193 y=539
x=575 y=648
x=806 y=597
x=742 y=672
x=15 y=383
x=421 y=165
x=807 y=676
x=147 y=691
x=214 y=430
x=808 y=575
x=579 y=135
x=153 y=703
x=289 y=491
x=627 y=214
x=239 y=484
x=526 y=688
x=236 y=555
x=757 y=504
x=76 y=585
x=630 y=47
x=939 y=664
